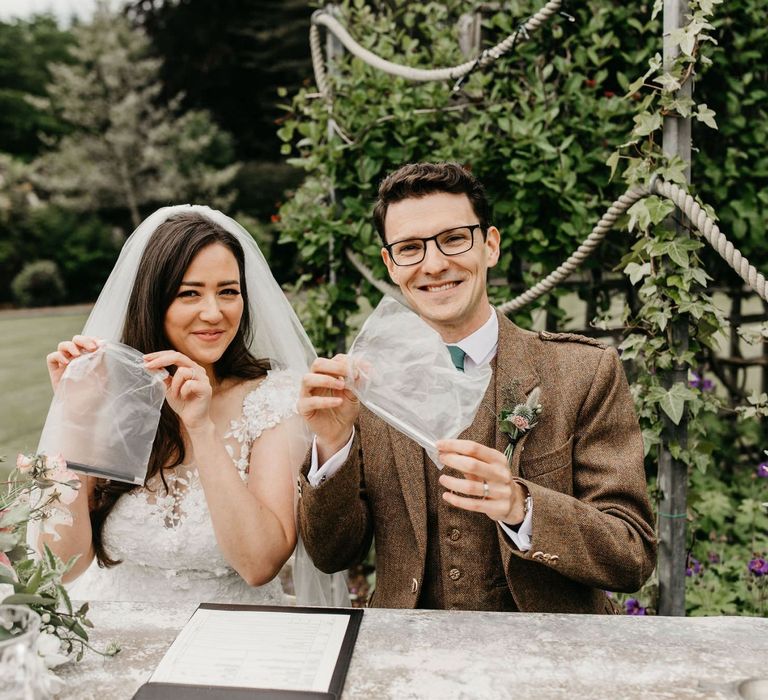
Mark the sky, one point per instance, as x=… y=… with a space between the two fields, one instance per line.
x=63 y=9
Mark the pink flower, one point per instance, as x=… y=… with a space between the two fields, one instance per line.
x=520 y=422
x=24 y=464
x=54 y=463
x=4 y=560
x=62 y=475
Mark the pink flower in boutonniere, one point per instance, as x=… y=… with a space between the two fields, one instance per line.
x=520 y=419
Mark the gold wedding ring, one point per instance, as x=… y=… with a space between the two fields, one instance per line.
x=486 y=489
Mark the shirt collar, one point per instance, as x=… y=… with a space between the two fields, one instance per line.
x=481 y=345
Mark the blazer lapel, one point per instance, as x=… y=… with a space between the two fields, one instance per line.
x=409 y=460
x=515 y=377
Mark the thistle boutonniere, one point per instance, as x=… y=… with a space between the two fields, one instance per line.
x=517 y=421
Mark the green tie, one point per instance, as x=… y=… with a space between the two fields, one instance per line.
x=457 y=355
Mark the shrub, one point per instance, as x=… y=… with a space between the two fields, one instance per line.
x=38 y=284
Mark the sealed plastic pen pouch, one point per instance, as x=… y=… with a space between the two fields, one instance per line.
x=401 y=370
x=104 y=414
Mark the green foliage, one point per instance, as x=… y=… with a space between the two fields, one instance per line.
x=38 y=284
x=526 y=125
x=127 y=148
x=26 y=49
x=83 y=246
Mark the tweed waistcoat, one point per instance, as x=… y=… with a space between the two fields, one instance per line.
x=463 y=568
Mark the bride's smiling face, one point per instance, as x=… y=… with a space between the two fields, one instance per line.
x=205 y=314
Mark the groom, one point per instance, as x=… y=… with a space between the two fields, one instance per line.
x=567 y=520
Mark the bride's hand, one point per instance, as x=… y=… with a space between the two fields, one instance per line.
x=188 y=391
x=66 y=351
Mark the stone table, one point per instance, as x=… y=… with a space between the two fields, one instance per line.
x=454 y=654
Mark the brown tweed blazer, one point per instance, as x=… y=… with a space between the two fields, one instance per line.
x=583 y=465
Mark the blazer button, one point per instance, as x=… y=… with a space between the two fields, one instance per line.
x=414 y=585
x=455 y=574
x=554 y=559
x=537 y=556
x=546 y=556
x=455 y=534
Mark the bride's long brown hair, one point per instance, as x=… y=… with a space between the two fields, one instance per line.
x=168 y=254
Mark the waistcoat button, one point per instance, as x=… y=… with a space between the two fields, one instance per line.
x=455 y=534
x=455 y=574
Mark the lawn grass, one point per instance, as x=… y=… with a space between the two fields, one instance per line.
x=24 y=386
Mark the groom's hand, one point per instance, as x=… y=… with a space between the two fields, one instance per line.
x=329 y=408
x=503 y=499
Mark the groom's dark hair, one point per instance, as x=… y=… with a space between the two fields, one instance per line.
x=421 y=179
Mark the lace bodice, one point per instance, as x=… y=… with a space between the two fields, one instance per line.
x=166 y=540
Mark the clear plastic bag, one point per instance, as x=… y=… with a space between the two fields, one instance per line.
x=104 y=414
x=402 y=371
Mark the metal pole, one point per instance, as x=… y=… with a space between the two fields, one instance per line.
x=333 y=50
x=673 y=473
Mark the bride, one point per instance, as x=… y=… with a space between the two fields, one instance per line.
x=214 y=520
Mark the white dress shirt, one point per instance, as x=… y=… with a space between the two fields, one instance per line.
x=480 y=348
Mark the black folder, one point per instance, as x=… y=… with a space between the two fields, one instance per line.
x=177 y=691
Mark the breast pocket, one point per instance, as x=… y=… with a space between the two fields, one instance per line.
x=551 y=469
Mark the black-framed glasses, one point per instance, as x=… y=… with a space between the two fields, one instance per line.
x=453 y=241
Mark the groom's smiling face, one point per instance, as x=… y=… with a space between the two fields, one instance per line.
x=448 y=292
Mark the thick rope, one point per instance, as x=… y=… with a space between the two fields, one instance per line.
x=686 y=203
x=579 y=255
x=323 y=18
x=712 y=234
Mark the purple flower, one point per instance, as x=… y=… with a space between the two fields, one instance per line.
x=633 y=607
x=714 y=557
x=762 y=470
x=699 y=382
x=694 y=567
x=758 y=566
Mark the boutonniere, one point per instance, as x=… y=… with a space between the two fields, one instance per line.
x=519 y=420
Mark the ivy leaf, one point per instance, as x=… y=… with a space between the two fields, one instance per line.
x=685 y=37
x=706 y=115
x=637 y=272
x=658 y=208
x=673 y=402
x=668 y=82
x=612 y=163
x=674 y=170
x=639 y=215
x=646 y=123
x=678 y=253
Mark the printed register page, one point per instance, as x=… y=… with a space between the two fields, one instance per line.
x=284 y=649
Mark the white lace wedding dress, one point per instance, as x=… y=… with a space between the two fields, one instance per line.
x=166 y=541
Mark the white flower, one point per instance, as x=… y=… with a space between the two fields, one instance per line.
x=49 y=648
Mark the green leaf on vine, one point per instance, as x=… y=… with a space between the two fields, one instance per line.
x=673 y=402
x=646 y=123
x=637 y=272
x=706 y=115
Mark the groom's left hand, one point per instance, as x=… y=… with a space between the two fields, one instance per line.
x=503 y=499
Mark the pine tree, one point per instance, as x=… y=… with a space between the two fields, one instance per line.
x=128 y=149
